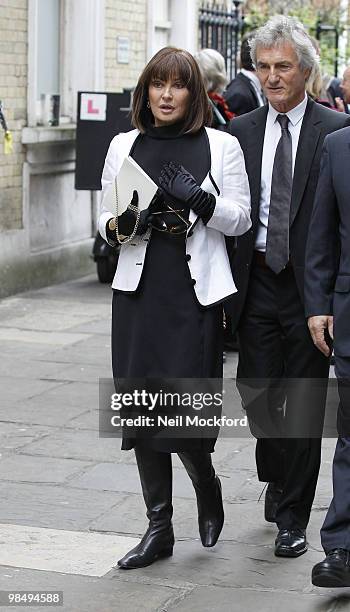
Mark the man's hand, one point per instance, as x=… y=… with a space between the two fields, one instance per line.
x=318 y=325
x=339 y=103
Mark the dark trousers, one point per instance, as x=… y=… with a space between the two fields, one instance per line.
x=335 y=532
x=274 y=347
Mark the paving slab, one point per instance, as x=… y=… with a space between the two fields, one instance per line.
x=89 y=420
x=72 y=444
x=55 y=506
x=89 y=594
x=207 y=599
x=81 y=353
x=24 y=468
x=16 y=390
x=51 y=338
x=94 y=326
x=58 y=550
x=50 y=321
x=66 y=394
x=36 y=369
x=14 y=436
x=83 y=373
x=42 y=413
x=122 y=477
x=24 y=350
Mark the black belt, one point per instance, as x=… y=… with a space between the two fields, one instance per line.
x=259 y=260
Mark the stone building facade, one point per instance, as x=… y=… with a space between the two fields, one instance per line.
x=13 y=90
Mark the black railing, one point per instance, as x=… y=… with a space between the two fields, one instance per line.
x=220 y=29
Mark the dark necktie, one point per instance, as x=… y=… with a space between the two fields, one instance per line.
x=277 y=243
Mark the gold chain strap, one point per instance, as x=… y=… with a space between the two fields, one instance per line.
x=134 y=209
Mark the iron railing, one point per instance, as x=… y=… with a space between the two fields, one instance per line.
x=220 y=29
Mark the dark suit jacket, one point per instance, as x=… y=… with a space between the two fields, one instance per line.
x=327 y=268
x=318 y=121
x=240 y=95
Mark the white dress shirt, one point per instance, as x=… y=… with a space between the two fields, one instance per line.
x=256 y=84
x=273 y=133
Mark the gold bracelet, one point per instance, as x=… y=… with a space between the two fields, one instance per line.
x=112 y=224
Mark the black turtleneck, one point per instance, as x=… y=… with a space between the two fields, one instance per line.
x=167 y=143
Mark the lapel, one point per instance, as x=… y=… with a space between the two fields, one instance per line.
x=254 y=157
x=307 y=145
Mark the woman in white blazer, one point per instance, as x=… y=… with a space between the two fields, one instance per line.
x=174 y=275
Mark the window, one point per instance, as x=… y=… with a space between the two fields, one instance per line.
x=172 y=22
x=65 y=53
x=44 y=53
x=159 y=26
x=48 y=47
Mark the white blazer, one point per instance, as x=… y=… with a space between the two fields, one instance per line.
x=208 y=262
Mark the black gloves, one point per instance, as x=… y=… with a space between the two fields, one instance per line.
x=180 y=184
x=126 y=221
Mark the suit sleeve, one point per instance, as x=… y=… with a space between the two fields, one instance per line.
x=240 y=104
x=321 y=262
x=231 y=214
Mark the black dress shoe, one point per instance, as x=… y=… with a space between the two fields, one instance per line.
x=154 y=545
x=334 y=570
x=272 y=499
x=290 y=543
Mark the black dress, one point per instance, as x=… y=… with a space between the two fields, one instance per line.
x=161 y=330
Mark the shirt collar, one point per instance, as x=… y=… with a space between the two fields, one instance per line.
x=294 y=115
x=252 y=77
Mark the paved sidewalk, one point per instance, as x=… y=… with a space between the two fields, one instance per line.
x=70 y=503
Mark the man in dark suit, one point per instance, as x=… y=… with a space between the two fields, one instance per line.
x=327 y=300
x=244 y=93
x=277 y=359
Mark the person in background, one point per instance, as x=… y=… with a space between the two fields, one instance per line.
x=245 y=93
x=333 y=90
x=315 y=85
x=168 y=289
x=212 y=66
x=343 y=100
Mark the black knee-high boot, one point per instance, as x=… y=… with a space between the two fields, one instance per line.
x=155 y=472
x=208 y=491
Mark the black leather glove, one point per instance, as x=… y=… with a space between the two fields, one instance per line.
x=180 y=184
x=126 y=221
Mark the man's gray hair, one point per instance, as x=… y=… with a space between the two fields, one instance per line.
x=212 y=66
x=282 y=29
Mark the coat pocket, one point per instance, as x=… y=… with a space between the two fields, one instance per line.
x=342 y=284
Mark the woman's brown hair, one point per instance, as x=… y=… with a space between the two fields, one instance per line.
x=171 y=62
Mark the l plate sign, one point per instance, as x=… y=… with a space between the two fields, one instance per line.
x=93 y=107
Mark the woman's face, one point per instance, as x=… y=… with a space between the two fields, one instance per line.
x=168 y=100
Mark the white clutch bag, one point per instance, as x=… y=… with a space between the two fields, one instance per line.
x=119 y=194
x=130 y=177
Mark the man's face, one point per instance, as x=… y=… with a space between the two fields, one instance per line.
x=345 y=86
x=281 y=77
